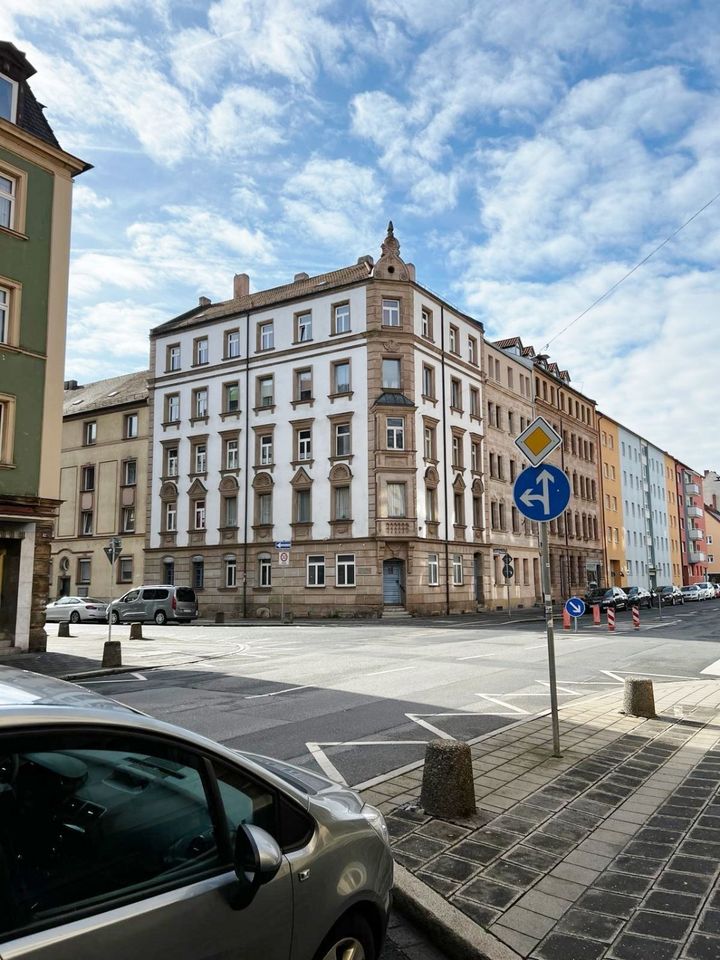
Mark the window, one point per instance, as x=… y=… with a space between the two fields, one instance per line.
x=230 y=572
x=172 y=408
x=303 y=385
x=198 y=573
x=475 y=403
x=199 y=515
x=231 y=455
x=131 y=426
x=8 y=198
x=304 y=444
x=345 y=570
x=454 y=343
x=230 y=505
x=266 y=336
x=457 y=569
x=391 y=374
x=88 y=478
x=472 y=350
x=125 y=570
x=341 y=377
x=511 y=422
x=265 y=391
x=431 y=504
x=200 y=403
x=201 y=354
x=265 y=509
x=84 y=565
x=455 y=394
x=264 y=571
x=172 y=357
x=200 y=458
x=477 y=511
x=315 y=571
x=266 y=450
x=428 y=382
x=391 y=313
x=342 y=502
x=171 y=518
x=86 y=523
x=458 y=509
x=341 y=318
x=89 y=433
x=342 y=439
x=303 y=506
x=232 y=344
x=429 y=442
x=457 y=452
x=5 y=295
x=433 y=570
x=8 y=99
x=303 y=327
x=475 y=456
x=171 y=461
x=128 y=520
x=395 y=433
x=426 y=323
x=396 y=505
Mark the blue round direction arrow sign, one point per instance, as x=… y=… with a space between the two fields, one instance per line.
x=541 y=493
x=575 y=606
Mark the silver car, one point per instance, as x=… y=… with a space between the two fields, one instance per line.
x=159 y=603
x=76 y=609
x=122 y=836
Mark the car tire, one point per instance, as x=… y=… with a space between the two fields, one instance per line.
x=115 y=617
x=160 y=617
x=74 y=617
x=351 y=936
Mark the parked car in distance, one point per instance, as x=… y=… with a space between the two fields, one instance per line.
x=76 y=610
x=614 y=597
x=717 y=589
x=639 y=597
x=593 y=598
x=670 y=595
x=159 y=603
x=693 y=592
x=174 y=845
x=708 y=590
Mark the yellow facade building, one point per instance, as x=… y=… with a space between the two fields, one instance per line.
x=616 y=573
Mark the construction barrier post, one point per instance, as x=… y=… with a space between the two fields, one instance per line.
x=566 y=619
x=596 y=613
x=611 y=618
x=636 y=617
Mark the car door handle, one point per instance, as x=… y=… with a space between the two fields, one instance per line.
x=303 y=875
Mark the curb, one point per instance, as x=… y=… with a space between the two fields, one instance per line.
x=101 y=672
x=459 y=937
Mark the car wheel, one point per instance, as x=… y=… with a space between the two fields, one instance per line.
x=160 y=617
x=74 y=617
x=115 y=617
x=349 y=939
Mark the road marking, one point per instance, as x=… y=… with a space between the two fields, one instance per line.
x=276 y=693
x=609 y=673
x=479 y=656
x=443 y=734
x=560 y=688
x=378 y=673
x=712 y=669
x=328 y=768
x=502 y=703
x=125 y=679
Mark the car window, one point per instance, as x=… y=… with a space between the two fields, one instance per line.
x=185 y=595
x=88 y=821
x=129 y=597
x=152 y=593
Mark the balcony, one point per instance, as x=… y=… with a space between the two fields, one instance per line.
x=696 y=534
x=391 y=527
x=696 y=558
x=694 y=511
x=693 y=489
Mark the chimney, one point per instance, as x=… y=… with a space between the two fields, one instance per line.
x=300 y=276
x=204 y=301
x=70 y=385
x=241 y=286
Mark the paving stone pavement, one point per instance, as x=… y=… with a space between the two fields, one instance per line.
x=612 y=850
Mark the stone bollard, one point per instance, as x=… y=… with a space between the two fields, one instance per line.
x=64 y=628
x=112 y=654
x=136 y=631
x=447 y=784
x=220 y=616
x=639 y=700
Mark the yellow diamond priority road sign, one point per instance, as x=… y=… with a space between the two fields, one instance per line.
x=538 y=440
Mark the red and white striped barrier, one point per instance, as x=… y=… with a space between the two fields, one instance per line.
x=596 y=613
x=636 y=617
x=611 y=618
x=566 y=619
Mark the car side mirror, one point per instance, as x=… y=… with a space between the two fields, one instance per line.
x=257 y=860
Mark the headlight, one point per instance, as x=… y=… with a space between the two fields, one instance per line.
x=377 y=822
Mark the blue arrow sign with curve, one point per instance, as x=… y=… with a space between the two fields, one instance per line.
x=541 y=493
x=575 y=606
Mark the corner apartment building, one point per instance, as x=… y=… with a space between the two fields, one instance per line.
x=35 y=201
x=342 y=413
x=509 y=409
x=691 y=513
x=614 y=533
x=673 y=515
x=712 y=540
x=103 y=483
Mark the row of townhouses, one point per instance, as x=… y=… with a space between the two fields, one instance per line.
x=368 y=423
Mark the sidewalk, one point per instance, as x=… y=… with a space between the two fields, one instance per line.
x=611 y=851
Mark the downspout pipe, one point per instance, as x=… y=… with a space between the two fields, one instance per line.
x=247 y=461
x=445 y=459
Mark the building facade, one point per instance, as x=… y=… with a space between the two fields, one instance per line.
x=35 y=201
x=691 y=513
x=341 y=414
x=673 y=516
x=103 y=481
x=712 y=540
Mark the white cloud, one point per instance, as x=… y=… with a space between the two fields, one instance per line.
x=245 y=121
x=110 y=338
x=85 y=198
x=93 y=272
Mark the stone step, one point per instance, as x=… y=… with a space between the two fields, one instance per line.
x=395 y=613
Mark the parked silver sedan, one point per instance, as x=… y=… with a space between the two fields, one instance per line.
x=122 y=836
x=75 y=609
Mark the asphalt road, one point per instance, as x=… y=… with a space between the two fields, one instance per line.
x=358 y=700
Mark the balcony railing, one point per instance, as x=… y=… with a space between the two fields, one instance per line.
x=396 y=528
x=694 y=511
x=693 y=489
x=696 y=558
x=696 y=534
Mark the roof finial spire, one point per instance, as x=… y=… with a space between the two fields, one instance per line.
x=390 y=245
x=391 y=229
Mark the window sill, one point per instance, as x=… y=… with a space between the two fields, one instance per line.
x=4 y=465
x=347 y=457
x=345 y=586
x=193 y=420
x=227 y=589
x=172 y=370
x=195 y=476
x=230 y=415
x=230 y=472
x=301 y=463
x=340 y=333
x=432 y=400
x=302 y=403
x=14 y=233
x=301 y=343
x=203 y=363
x=476 y=417
x=265 y=350
x=263 y=467
x=170 y=423
x=458 y=410
x=232 y=356
x=340 y=395
x=265 y=408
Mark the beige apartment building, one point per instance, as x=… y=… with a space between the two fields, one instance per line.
x=103 y=478
x=509 y=409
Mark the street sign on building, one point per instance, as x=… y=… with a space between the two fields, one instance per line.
x=283 y=544
x=538 y=440
x=541 y=493
x=284 y=558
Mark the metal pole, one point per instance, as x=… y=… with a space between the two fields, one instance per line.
x=109 y=613
x=507 y=584
x=547 y=602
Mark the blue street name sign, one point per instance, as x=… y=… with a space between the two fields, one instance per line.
x=575 y=606
x=541 y=493
x=283 y=544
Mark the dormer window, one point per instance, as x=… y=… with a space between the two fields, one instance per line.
x=8 y=99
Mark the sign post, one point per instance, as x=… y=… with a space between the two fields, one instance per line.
x=283 y=547
x=508 y=573
x=112 y=552
x=541 y=493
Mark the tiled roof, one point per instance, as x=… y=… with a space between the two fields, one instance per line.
x=508 y=342
x=30 y=116
x=390 y=399
x=129 y=388
x=265 y=298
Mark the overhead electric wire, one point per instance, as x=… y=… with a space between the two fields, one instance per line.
x=637 y=266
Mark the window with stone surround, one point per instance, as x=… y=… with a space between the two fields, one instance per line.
x=230 y=564
x=265 y=336
x=198 y=456
x=340 y=379
x=232 y=344
x=231 y=453
x=198 y=514
x=198 y=573
x=231 y=397
x=433 y=570
x=303 y=392
x=201 y=351
x=170 y=468
x=303 y=443
x=172 y=408
x=315 y=567
x=395 y=433
x=265 y=391
x=426 y=323
x=84 y=570
x=428 y=374
x=456 y=394
x=391 y=377
x=199 y=403
x=396 y=499
x=8 y=201
x=87 y=481
x=230 y=511
x=303 y=327
x=473 y=351
x=391 y=313
x=89 y=433
x=86 y=523
x=457 y=569
x=345 y=570
x=342 y=439
x=265 y=450
x=475 y=409
x=302 y=505
x=475 y=456
x=125 y=570
x=341 y=318
x=264 y=570
x=172 y=357
x=127 y=520
x=171 y=516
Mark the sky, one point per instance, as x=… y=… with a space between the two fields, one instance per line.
x=529 y=154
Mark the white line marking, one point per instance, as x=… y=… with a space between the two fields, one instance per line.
x=712 y=669
x=632 y=673
x=479 y=656
x=322 y=760
x=560 y=688
x=378 y=673
x=124 y=679
x=609 y=673
x=509 y=706
x=276 y=693
x=536 y=646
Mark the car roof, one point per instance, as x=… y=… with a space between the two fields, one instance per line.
x=22 y=688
